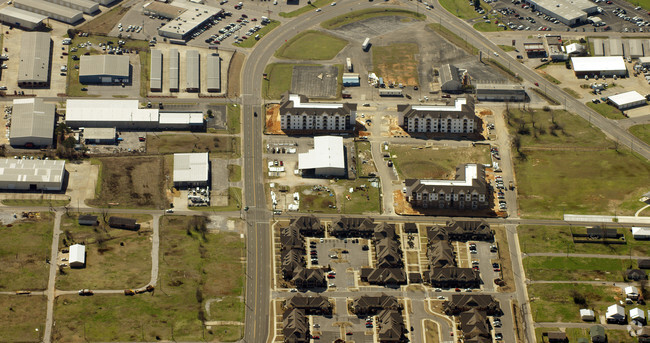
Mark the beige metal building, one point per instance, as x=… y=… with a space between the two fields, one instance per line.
x=54 y=11
x=47 y=175
x=20 y=18
x=192 y=76
x=32 y=123
x=35 y=55
x=104 y=69
x=155 y=76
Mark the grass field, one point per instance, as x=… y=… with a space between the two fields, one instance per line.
x=606 y=110
x=507 y=48
x=537 y=238
x=556 y=303
x=489 y=27
x=546 y=97
x=313 y=6
x=462 y=9
x=573 y=334
x=564 y=144
x=453 y=38
x=132 y=182
x=641 y=131
x=103 y=24
x=35 y=202
x=233 y=113
x=279 y=79
x=251 y=41
x=364 y=199
x=22 y=318
x=550 y=78
x=316 y=201
x=311 y=45
x=572 y=92
x=24 y=248
x=189 y=277
x=115 y=259
x=643 y=3
x=227 y=147
x=368 y=13
x=234 y=172
x=412 y=162
x=396 y=63
x=571 y=268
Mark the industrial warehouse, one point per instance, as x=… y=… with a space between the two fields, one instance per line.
x=174 y=70
x=627 y=100
x=191 y=170
x=105 y=69
x=327 y=158
x=32 y=175
x=500 y=92
x=214 y=73
x=155 y=78
x=35 y=59
x=32 y=123
x=599 y=66
x=193 y=75
x=13 y=16
x=57 y=12
x=125 y=114
x=568 y=12
x=192 y=17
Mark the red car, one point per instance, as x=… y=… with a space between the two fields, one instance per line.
x=330 y=276
x=457 y=289
x=141 y=139
x=536 y=84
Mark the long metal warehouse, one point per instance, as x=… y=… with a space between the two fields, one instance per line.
x=32 y=123
x=54 y=11
x=86 y=6
x=598 y=47
x=636 y=48
x=192 y=75
x=16 y=17
x=155 y=78
x=214 y=73
x=615 y=47
x=35 y=57
x=174 y=69
x=45 y=175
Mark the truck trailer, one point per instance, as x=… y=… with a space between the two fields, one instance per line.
x=366 y=44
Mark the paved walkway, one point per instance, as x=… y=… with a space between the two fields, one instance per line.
x=579 y=325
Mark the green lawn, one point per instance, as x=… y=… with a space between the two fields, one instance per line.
x=462 y=9
x=364 y=198
x=316 y=201
x=313 y=6
x=189 y=277
x=540 y=239
x=507 y=48
x=453 y=38
x=233 y=111
x=25 y=247
x=573 y=334
x=22 y=318
x=234 y=172
x=311 y=45
x=367 y=14
x=643 y=3
x=490 y=27
x=573 y=268
x=251 y=41
x=606 y=110
x=572 y=92
x=641 y=131
x=556 y=303
x=550 y=78
x=279 y=79
x=565 y=145
x=418 y=162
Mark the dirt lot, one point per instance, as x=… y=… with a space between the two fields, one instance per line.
x=433 y=162
x=396 y=63
x=167 y=144
x=132 y=182
x=115 y=258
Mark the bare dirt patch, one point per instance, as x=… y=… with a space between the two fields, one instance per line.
x=396 y=63
x=103 y=24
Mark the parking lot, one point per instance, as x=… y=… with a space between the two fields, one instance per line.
x=344 y=256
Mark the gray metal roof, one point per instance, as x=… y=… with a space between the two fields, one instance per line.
x=155 y=76
x=47 y=8
x=117 y=65
x=615 y=47
x=191 y=167
x=34 y=57
x=31 y=171
x=22 y=15
x=598 y=47
x=192 y=61
x=99 y=133
x=32 y=118
x=214 y=72
x=636 y=47
x=174 y=66
x=85 y=5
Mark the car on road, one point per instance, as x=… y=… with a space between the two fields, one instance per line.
x=333 y=4
x=293 y=290
x=496 y=54
x=318 y=10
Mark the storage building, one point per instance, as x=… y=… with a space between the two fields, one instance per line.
x=327 y=158
x=99 y=135
x=86 y=6
x=191 y=170
x=450 y=81
x=123 y=223
x=601 y=66
x=641 y=233
x=214 y=73
x=599 y=49
x=77 y=258
x=626 y=100
x=155 y=76
x=174 y=69
x=615 y=314
x=615 y=47
x=192 y=75
x=636 y=48
x=104 y=69
x=351 y=80
x=33 y=175
x=32 y=123
x=637 y=314
x=575 y=49
x=535 y=49
x=54 y=11
x=88 y=220
x=164 y=10
x=35 y=55
x=16 y=17
x=645 y=61
x=568 y=12
x=187 y=22
x=192 y=121
x=587 y=315
x=500 y=92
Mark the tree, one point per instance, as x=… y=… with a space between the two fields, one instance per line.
x=477 y=4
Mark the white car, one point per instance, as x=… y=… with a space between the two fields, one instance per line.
x=333 y=4
x=496 y=54
x=318 y=10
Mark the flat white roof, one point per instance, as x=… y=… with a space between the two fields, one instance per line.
x=31 y=171
x=108 y=111
x=457 y=107
x=586 y=312
x=194 y=118
x=192 y=167
x=626 y=98
x=637 y=313
x=194 y=15
x=297 y=104
x=598 y=63
x=77 y=254
x=631 y=290
x=471 y=173
x=644 y=59
x=20 y=14
x=327 y=153
x=643 y=231
x=615 y=310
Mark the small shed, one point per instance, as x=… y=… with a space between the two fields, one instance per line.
x=632 y=292
x=587 y=315
x=411 y=228
x=77 y=258
x=615 y=314
x=89 y=220
x=641 y=233
x=123 y=223
x=597 y=334
x=638 y=315
x=557 y=337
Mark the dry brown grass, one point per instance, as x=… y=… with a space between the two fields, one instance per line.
x=234 y=70
x=505 y=261
x=21 y=316
x=396 y=63
x=103 y=24
x=169 y=143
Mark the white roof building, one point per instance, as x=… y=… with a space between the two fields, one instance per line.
x=26 y=19
x=637 y=313
x=631 y=291
x=615 y=312
x=18 y=174
x=77 y=258
x=191 y=169
x=641 y=232
x=627 y=100
x=32 y=123
x=587 y=314
x=326 y=158
x=599 y=65
x=187 y=21
x=575 y=49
